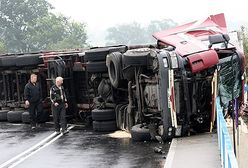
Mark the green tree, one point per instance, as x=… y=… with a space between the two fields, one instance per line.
x=244 y=36
x=45 y=31
x=15 y=18
x=245 y=40
x=27 y=25
x=74 y=37
x=134 y=33
x=56 y=32
x=2 y=48
x=158 y=25
x=125 y=34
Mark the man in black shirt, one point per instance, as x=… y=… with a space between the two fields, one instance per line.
x=33 y=100
x=59 y=105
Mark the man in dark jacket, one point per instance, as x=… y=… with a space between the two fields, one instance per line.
x=59 y=105
x=33 y=100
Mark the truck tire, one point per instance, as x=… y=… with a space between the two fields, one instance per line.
x=28 y=60
x=100 y=54
x=103 y=114
x=26 y=117
x=104 y=126
x=3 y=115
x=136 y=57
x=139 y=133
x=114 y=65
x=96 y=67
x=8 y=61
x=14 y=116
x=104 y=89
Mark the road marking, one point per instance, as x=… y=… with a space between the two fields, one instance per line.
x=27 y=151
x=171 y=154
x=34 y=149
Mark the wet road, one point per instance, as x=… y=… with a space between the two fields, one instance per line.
x=80 y=148
x=16 y=138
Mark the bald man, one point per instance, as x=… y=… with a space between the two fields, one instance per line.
x=59 y=105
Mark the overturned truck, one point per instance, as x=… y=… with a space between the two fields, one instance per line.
x=169 y=89
x=153 y=91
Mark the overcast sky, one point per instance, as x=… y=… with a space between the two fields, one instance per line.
x=100 y=14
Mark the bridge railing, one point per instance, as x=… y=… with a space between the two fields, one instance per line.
x=228 y=158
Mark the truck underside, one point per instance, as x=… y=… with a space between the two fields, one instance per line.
x=163 y=95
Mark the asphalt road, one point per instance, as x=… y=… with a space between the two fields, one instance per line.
x=80 y=148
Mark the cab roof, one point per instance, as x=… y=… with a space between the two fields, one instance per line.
x=193 y=37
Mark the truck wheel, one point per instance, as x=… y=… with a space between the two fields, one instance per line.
x=104 y=89
x=97 y=54
x=14 y=116
x=140 y=133
x=28 y=60
x=136 y=57
x=88 y=121
x=3 y=115
x=25 y=117
x=113 y=63
x=8 y=61
x=100 y=54
x=104 y=126
x=96 y=67
x=103 y=114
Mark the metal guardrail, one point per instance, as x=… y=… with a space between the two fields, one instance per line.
x=228 y=159
x=246 y=88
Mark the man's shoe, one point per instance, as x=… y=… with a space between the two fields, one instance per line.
x=33 y=127
x=65 y=132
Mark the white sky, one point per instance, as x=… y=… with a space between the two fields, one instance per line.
x=100 y=14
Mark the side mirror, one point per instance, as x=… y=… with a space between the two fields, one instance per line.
x=219 y=38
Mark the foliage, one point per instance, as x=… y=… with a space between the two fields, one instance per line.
x=134 y=33
x=2 y=48
x=125 y=34
x=56 y=32
x=158 y=25
x=75 y=37
x=27 y=25
x=245 y=40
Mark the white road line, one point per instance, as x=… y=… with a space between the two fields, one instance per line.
x=171 y=154
x=35 y=151
x=29 y=152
